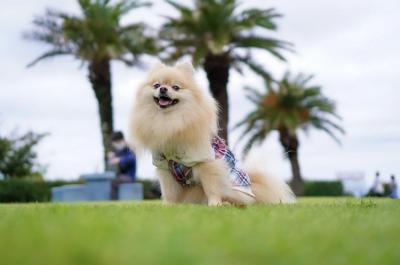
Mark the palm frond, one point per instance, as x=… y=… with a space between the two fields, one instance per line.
x=328 y=123
x=302 y=80
x=258 y=17
x=252 y=117
x=84 y=4
x=253 y=92
x=325 y=129
x=311 y=92
x=182 y=8
x=47 y=55
x=126 y=6
x=254 y=66
x=256 y=137
x=269 y=44
x=320 y=104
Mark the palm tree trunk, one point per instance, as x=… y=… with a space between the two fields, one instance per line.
x=290 y=144
x=217 y=70
x=296 y=183
x=100 y=78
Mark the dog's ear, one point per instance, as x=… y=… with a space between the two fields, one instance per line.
x=157 y=67
x=186 y=67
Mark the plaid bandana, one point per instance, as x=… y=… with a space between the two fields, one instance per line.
x=184 y=175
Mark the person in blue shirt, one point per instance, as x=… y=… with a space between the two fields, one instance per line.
x=124 y=160
x=393 y=188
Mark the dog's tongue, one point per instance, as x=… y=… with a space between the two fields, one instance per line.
x=164 y=102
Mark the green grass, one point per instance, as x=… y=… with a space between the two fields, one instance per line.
x=314 y=231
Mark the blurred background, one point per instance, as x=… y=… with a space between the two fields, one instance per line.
x=351 y=48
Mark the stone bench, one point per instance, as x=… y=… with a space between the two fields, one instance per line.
x=97 y=187
x=68 y=193
x=130 y=191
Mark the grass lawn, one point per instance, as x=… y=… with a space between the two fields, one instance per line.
x=314 y=231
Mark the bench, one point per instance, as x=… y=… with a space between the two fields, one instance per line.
x=97 y=187
x=130 y=191
x=68 y=193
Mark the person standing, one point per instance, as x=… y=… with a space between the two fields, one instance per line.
x=377 y=187
x=393 y=188
x=124 y=160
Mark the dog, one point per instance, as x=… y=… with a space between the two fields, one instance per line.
x=177 y=121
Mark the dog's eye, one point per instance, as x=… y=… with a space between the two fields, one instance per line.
x=156 y=85
x=176 y=88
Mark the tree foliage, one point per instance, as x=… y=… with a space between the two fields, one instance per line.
x=290 y=104
x=18 y=157
x=220 y=27
x=95 y=35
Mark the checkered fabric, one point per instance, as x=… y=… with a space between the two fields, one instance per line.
x=239 y=178
x=237 y=175
x=181 y=173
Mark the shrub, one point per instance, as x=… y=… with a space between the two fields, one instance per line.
x=17 y=190
x=323 y=188
x=18 y=157
x=29 y=190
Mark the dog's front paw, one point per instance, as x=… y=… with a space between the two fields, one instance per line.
x=167 y=203
x=214 y=202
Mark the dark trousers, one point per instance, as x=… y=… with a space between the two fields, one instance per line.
x=115 y=185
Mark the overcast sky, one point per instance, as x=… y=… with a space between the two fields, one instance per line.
x=352 y=48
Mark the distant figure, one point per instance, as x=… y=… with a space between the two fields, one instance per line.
x=124 y=160
x=393 y=188
x=377 y=187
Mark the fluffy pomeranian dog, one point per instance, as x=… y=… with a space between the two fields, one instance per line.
x=176 y=121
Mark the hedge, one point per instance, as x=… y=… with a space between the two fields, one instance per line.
x=20 y=190
x=323 y=188
x=24 y=191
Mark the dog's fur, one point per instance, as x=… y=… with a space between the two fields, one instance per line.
x=189 y=126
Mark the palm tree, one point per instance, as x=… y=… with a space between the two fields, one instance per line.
x=96 y=37
x=218 y=36
x=287 y=106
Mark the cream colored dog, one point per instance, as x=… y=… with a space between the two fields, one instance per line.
x=177 y=121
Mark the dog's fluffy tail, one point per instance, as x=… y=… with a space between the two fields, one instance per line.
x=268 y=188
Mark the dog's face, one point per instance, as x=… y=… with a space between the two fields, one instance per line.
x=169 y=106
x=170 y=88
x=162 y=97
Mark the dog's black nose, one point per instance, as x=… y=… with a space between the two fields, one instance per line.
x=163 y=90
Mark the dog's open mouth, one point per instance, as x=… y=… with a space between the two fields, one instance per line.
x=164 y=101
